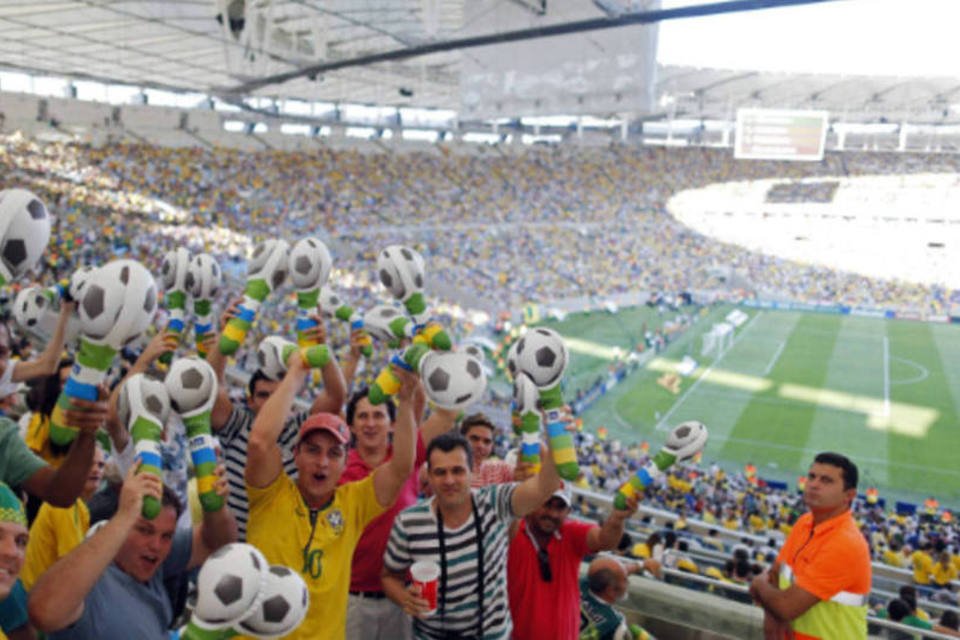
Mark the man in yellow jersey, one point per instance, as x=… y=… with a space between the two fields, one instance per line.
x=311 y=524
x=818 y=586
x=13 y=541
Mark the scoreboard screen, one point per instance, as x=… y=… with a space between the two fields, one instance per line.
x=780 y=134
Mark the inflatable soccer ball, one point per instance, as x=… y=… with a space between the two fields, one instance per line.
x=283 y=605
x=270 y=356
x=117 y=303
x=229 y=585
x=330 y=301
x=475 y=351
x=29 y=307
x=401 y=271
x=24 y=232
x=525 y=396
x=78 y=281
x=377 y=322
x=452 y=380
x=542 y=355
x=204 y=277
x=310 y=264
x=173 y=272
x=269 y=262
x=686 y=440
x=512 y=361
x=139 y=395
x=191 y=384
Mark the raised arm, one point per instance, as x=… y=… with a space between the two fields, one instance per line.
x=61 y=487
x=390 y=476
x=439 y=422
x=223 y=407
x=46 y=363
x=533 y=492
x=56 y=601
x=607 y=536
x=264 y=462
x=334 y=393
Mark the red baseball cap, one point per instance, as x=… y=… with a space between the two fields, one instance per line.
x=328 y=422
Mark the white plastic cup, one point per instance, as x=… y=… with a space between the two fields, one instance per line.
x=426 y=575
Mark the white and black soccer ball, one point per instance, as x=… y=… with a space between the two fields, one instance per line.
x=687 y=439
x=270 y=356
x=78 y=281
x=24 y=232
x=309 y=264
x=141 y=395
x=117 y=303
x=401 y=271
x=282 y=607
x=229 y=585
x=542 y=355
x=475 y=351
x=452 y=380
x=330 y=301
x=376 y=322
x=269 y=262
x=173 y=271
x=29 y=307
x=191 y=384
x=525 y=394
x=204 y=277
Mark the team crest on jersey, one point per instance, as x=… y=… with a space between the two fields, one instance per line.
x=335 y=520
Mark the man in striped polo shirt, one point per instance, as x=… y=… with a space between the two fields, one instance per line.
x=232 y=422
x=466 y=532
x=818 y=586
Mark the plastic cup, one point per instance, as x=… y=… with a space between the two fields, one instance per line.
x=426 y=575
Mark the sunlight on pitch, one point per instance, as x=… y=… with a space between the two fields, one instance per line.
x=592 y=348
x=904 y=419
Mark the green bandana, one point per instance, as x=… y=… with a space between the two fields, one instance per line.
x=11 y=510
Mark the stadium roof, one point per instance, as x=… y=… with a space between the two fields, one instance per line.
x=182 y=45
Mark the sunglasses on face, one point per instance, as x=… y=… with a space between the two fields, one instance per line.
x=544 y=561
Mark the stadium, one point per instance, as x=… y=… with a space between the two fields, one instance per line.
x=760 y=244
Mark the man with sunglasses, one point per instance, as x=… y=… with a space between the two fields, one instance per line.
x=543 y=566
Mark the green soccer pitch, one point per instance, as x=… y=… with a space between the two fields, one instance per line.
x=884 y=392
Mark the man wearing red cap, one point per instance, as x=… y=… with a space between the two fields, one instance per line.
x=311 y=524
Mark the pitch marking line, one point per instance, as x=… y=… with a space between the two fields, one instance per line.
x=776 y=356
x=664 y=425
x=922 y=372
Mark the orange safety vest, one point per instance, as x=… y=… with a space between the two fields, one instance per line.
x=802 y=483
x=931 y=506
x=872 y=495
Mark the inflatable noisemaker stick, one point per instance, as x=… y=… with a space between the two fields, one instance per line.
x=192 y=386
x=401 y=271
x=388 y=325
x=116 y=305
x=525 y=399
x=387 y=384
x=24 y=233
x=238 y=593
x=309 y=266
x=685 y=441
x=143 y=408
x=542 y=355
x=203 y=282
x=274 y=353
x=173 y=276
x=267 y=271
x=334 y=307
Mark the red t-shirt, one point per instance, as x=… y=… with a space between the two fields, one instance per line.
x=368 y=556
x=547 y=609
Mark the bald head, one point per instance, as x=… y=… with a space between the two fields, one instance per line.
x=607 y=579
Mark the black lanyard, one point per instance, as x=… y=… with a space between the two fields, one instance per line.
x=478 y=528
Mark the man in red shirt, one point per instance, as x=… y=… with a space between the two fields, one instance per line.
x=370 y=614
x=544 y=562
